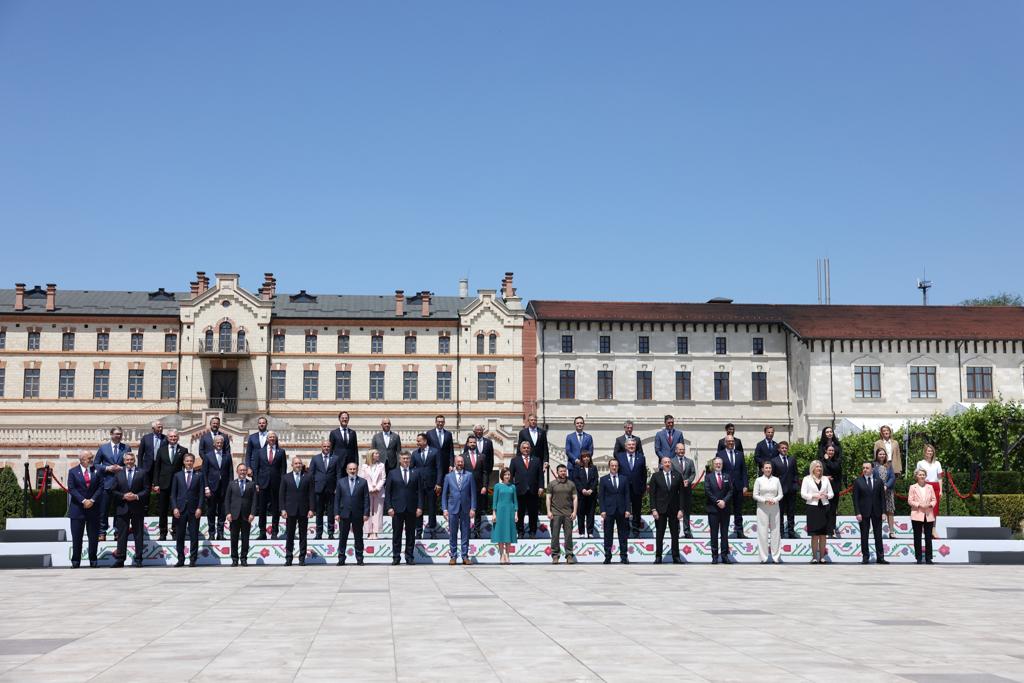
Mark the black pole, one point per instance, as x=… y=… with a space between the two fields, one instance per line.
x=981 y=489
x=45 y=488
x=27 y=487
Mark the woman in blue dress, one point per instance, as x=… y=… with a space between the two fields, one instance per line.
x=503 y=519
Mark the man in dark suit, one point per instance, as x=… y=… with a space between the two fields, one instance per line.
x=206 y=440
x=324 y=468
x=297 y=503
x=479 y=462
x=167 y=462
x=109 y=460
x=458 y=501
x=735 y=466
x=443 y=443
x=149 y=445
x=687 y=472
x=188 y=500
x=667 y=507
x=620 y=442
x=217 y=468
x=404 y=498
x=869 y=505
x=537 y=437
x=719 y=491
x=528 y=478
x=344 y=442
x=586 y=480
x=424 y=461
x=633 y=467
x=613 y=495
x=239 y=499
x=577 y=442
x=256 y=441
x=267 y=469
x=766 y=449
x=784 y=467
x=85 y=484
x=388 y=444
x=351 y=510
x=131 y=495
x=730 y=430
x=666 y=439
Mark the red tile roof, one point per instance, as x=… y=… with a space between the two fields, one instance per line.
x=809 y=321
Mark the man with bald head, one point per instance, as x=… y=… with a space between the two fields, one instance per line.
x=149 y=445
x=387 y=443
x=324 y=467
x=84 y=488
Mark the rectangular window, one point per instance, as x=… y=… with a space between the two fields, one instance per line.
x=759 y=386
x=67 y=341
x=410 y=384
x=31 y=387
x=66 y=383
x=643 y=345
x=136 y=341
x=682 y=385
x=721 y=348
x=310 y=343
x=566 y=343
x=170 y=343
x=3 y=339
x=480 y=343
x=135 y=378
x=758 y=346
x=444 y=345
x=979 y=382
x=486 y=385
x=377 y=343
x=168 y=384
x=278 y=343
x=867 y=381
x=605 y=385
x=410 y=344
x=605 y=343
x=567 y=384
x=3 y=381
x=310 y=385
x=343 y=385
x=721 y=386
x=343 y=343
x=923 y=381
x=103 y=341
x=682 y=345
x=492 y=344
x=33 y=341
x=277 y=384
x=644 y=388
x=376 y=385
x=101 y=383
x=444 y=385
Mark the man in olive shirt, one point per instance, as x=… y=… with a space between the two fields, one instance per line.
x=562 y=512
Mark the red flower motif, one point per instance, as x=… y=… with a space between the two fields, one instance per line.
x=687 y=550
x=943 y=550
x=265 y=552
x=649 y=547
x=787 y=548
x=547 y=550
x=512 y=548
x=369 y=549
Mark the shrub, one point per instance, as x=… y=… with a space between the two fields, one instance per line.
x=1007 y=506
x=10 y=496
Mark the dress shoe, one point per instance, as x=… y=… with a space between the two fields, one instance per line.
x=410 y=561
x=261 y=537
x=180 y=563
x=607 y=560
x=302 y=562
x=245 y=562
x=163 y=537
x=318 y=537
x=687 y=534
x=920 y=561
x=865 y=560
x=466 y=561
x=394 y=561
x=220 y=537
x=273 y=537
x=571 y=559
x=740 y=534
x=554 y=559
x=94 y=564
x=137 y=565
x=882 y=560
x=714 y=560
x=234 y=563
x=359 y=562
x=451 y=562
x=341 y=562
x=726 y=560
x=625 y=560
x=657 y=560
x=119 y=564
x=288 y=562
x=330 y=537
x=677 y=559
x=928 y=561
x=192 y=563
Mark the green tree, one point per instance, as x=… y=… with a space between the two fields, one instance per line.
x=10 y=496
x=1001 y=299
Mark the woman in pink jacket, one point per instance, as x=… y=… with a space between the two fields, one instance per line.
x=921 y=498
x=373 y=472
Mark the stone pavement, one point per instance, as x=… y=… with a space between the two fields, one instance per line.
x=524 y=622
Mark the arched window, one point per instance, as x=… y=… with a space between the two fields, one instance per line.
x=480 y=343
x=492 y=344
x=224 y=339
x=208 y=341
x=241 y=340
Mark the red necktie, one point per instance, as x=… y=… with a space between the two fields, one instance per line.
x=472 y=457
x=719 y=480
x=87 y=477
x=270 y=456
x=526 y=461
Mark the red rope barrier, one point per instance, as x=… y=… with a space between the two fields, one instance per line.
x=58 y=483
x=42 y=485
x=974 y=486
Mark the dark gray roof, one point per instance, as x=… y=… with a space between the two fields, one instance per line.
x=367 y=306
x=91 y=302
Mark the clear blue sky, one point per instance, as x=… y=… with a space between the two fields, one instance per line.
x=641 y=151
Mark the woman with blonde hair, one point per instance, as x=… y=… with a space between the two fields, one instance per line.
x=921 y=498
x=373 y=472
x=933 y=475
x=817 y=492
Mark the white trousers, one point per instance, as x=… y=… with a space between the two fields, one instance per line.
x=769 y=536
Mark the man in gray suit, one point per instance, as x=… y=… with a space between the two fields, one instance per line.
x=688 y=471
x=387 y=443
x=238 y=501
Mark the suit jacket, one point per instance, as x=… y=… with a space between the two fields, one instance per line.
x=614 y=500
x=79 y=491
x=388 y=453
x=352 y=505
x=445 y=448
x=540 y=448
x=736 y=470
x=214 y=475
x=425 y=463
x=868 y=499
x=736 y=439
x=573 y=447
x=714 y=493
x=897 y=459
x=666 y=499
x=168 y=461
x=253 y=446
x=663 y=445
x=637 y=475
x=239 y=504
x=763 y=453
x=585 y=479
x=146 y=452
x=620 y=445
x=345 y=449
x=324 y=476
x=921 y=500
x=206 y=443
x=788 y=476
x=297 y=501
x=267 y=474
x=525 y=478
x=482 y=472
x=686 y=469
x=457 y=499
x=188 y=499
x=105 y=456
x=139 y=486
x=403 y=497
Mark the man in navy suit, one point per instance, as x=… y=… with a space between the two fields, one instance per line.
x=666 y=487
x=256 y=441
x=528 y=478
x=110 y=461
x=443 y=444
x=187 y=499
x=267 y=469
x=766 y=449
x=620 y=442
x=149 y=445
x=239 y=500
x=424 y=461
x=613 y=494
x=404 y=497
x=577 y=442
x=869 y=505
x=784 y=467
x=735 y=466
x=666 y=439
x=719 y=491
x=537 y=437
x=458 y=500
x=730 y=430
x=206 y=440
x=131 y=495
x=633 y=466
x=217 y=468
x=478 y=458
x=167 y=462
x=324 y=468
x=297 y=503
x=351 y=510
x=344 y=442
x=85 y=485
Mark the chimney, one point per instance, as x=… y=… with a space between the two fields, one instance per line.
x=51 y=297
x=506 y=287
x=464 y=287
x=19 y=296
x=195 y=289
x=399 y=302
x=425 y=298
x=269 y=289
x=204 y=282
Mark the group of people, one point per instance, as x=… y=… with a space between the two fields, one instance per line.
x=415 y=487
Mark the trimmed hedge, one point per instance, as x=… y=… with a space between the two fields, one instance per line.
x=1008 y=507
x=10 y=496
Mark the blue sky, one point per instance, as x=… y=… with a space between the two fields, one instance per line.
x=630 y=151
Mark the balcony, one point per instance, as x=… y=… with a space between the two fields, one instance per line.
x=224 y=349
x=229 y=404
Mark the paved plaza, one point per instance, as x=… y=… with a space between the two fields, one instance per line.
x=485 y=623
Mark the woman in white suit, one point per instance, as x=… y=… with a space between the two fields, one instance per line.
x=817 y=492
x=373 y=472
x=767 y=494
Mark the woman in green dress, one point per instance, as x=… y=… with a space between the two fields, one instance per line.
x=503 y=519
